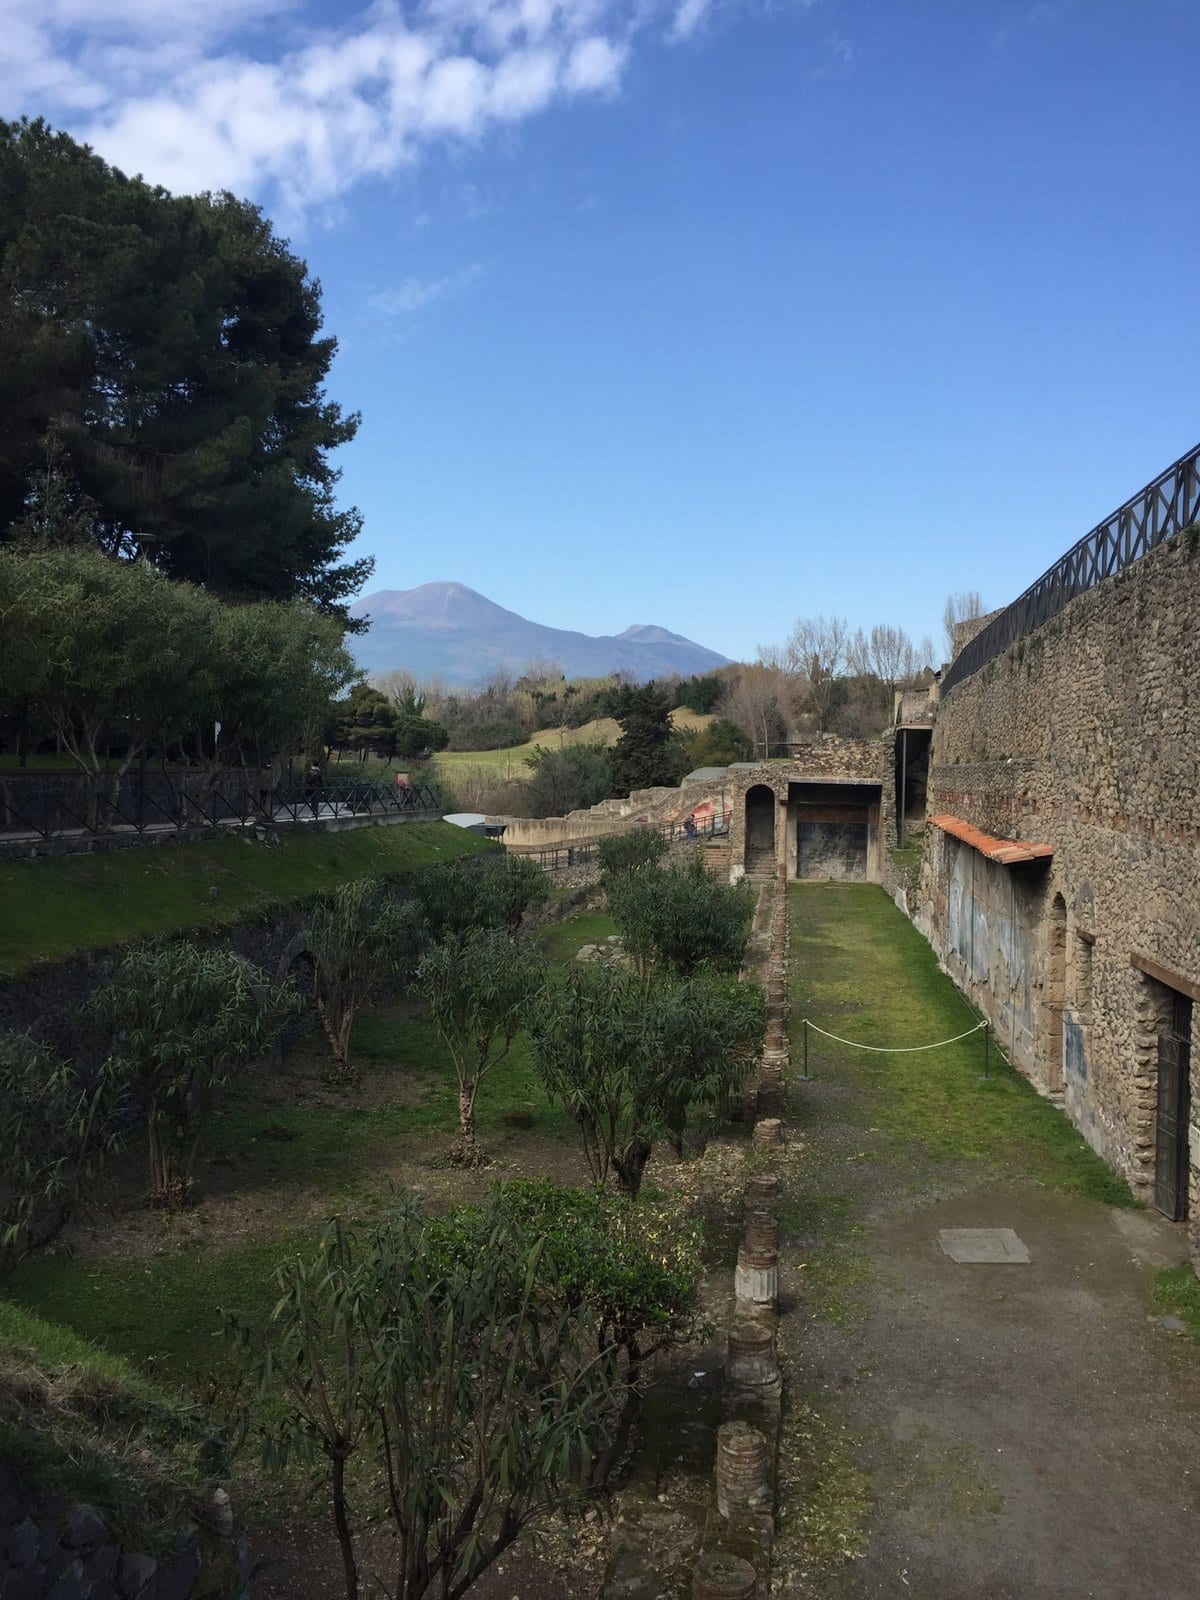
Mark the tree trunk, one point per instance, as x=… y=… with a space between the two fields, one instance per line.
x=342 y=1524
x=336 y=1029
x=466 y=1146
x=630 y=1165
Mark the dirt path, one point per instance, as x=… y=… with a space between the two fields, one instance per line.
x=966 y=1430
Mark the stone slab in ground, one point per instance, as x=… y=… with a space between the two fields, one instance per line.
x=983 y=1246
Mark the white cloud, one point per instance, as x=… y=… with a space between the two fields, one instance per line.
x=258 y=97
x=199 y=95
x=689 y=14
x=413 y=295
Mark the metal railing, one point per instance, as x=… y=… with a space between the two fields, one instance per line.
x=139 y=809
x=1162 y=509
x=558 y=858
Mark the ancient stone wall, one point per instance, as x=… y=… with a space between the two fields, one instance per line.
x=52 y=1548
x=643 y=808
x=842 y=775
x=1086 y=736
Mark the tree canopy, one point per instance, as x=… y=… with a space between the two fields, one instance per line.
x=649 y=752
x=164 y=380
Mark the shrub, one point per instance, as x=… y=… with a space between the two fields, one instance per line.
x=55 y=1133
x=631 y=1058
x=181 y=1020
x=631 y=852
x=361 y=938
x=420 y=1370
x=634 y=1265
x=681 y=918
x=496 y=892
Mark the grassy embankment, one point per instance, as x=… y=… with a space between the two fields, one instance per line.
x=55 y=908
x=78 y=1420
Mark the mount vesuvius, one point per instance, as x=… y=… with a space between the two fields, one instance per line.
x=447 y=631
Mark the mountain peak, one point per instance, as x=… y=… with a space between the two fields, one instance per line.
x=447 y=630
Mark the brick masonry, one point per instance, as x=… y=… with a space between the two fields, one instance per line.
x=1085 y=736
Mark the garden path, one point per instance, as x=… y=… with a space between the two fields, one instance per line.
x=965 y=1431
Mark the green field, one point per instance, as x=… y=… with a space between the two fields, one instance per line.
x=51 y=909
x=510 y=762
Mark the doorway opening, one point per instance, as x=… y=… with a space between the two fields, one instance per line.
x=1055 y=992
x=760 y=829
x=1174 y=1109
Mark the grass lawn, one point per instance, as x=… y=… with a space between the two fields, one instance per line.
x=50 y=909
x=563 y=940
x=860 y=969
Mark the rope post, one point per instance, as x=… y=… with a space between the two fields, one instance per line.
x=987 y=1053
x=806 y=1047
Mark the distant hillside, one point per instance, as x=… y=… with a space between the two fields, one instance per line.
x=447 y=631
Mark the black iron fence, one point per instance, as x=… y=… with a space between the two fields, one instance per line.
x=155 y=804
x=558 y=858
x=1163 y=508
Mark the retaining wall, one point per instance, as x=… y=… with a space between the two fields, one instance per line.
x=1084 y=736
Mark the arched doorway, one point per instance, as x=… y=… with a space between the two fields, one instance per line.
x=1054 y=994
x=760 y=829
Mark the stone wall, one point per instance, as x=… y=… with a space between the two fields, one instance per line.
x=643 y=808
x=52 y=1548
x=1084 y=736
x=824 y=779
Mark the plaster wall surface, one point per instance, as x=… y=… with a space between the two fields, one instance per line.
x=1085 y=735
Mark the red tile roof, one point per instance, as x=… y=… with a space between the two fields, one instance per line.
x=1005 y=851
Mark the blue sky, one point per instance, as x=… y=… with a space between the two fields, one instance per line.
x=693 y=312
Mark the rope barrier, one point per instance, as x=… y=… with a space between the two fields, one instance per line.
x=894 y=1050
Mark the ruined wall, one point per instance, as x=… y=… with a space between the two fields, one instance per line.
x=1085 y=735
x=845 y=824
x=644 y=807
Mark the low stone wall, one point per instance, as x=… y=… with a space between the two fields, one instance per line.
x=644 y=807
x=52 y=1548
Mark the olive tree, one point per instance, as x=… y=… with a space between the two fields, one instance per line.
x=630 y=1059
x=480 y=988
x=422 y=1371
x=361 y=938
x=681 y=919
x=181 y=1020
x=55 y=1132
